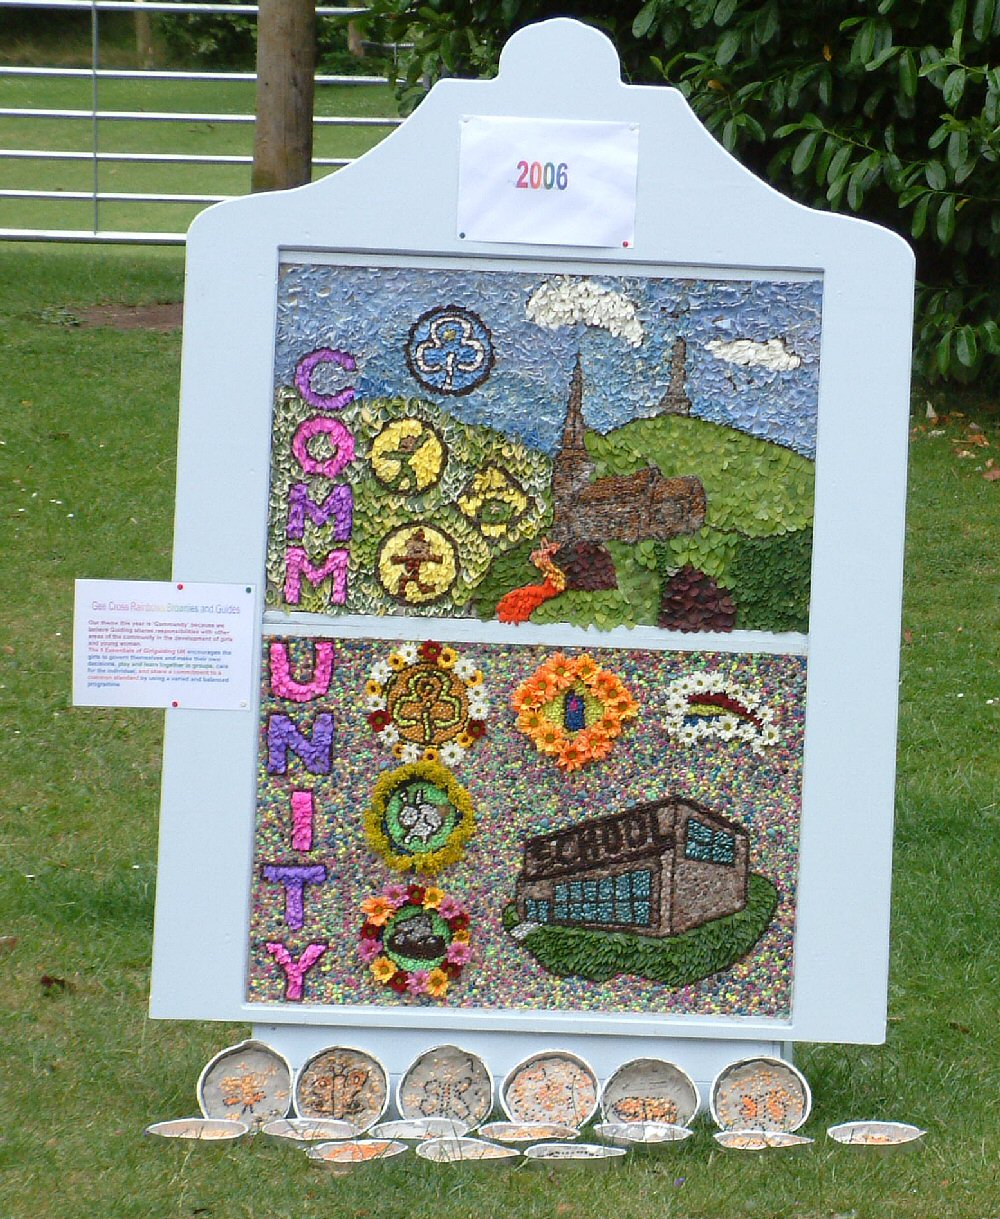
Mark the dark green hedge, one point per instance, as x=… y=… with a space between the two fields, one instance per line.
x=887 y=108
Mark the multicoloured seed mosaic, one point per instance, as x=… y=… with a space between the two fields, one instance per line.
x=518 y=792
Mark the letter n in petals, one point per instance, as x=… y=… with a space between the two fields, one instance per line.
x=315 y=752
x=295 y=970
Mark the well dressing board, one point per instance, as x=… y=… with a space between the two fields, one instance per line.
x=578 y=575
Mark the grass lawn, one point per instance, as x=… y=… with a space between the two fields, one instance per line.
x=192 y=138
x=88 y=430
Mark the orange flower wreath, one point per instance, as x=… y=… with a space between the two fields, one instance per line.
x=572 y=709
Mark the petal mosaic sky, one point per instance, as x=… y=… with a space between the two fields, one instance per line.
x=752 y=345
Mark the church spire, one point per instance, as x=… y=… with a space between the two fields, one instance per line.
x=574 y=427
x=676 y=401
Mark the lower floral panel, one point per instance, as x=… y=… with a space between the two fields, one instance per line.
x=517 y=826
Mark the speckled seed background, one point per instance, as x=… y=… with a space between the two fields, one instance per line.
x=518 y=792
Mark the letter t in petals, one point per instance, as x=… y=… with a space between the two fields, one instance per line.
x=295 y=877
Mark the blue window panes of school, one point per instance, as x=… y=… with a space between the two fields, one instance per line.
x=626 y=899
x=698 y=842
x=723 y=847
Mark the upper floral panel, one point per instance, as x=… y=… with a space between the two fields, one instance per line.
x=593 y=450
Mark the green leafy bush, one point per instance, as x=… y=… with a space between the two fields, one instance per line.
x=210 y=40
x=887 y=108
x=215 y=40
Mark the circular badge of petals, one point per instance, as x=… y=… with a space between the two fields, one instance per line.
x=450 y=350
x=573 y=710
x=420 y=818
x=429 y=703
x=417 y=564
x=408 y=456
x=495 y=501
x=414 y=940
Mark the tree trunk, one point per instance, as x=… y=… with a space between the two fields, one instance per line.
x=354 y=40
x=143 y=37
x=286 y=64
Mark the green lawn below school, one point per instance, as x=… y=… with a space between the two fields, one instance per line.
x=88 y=429
x=677 y=960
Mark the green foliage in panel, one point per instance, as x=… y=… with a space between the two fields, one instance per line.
x=756 y=491
x=635 y=600
x=753 y=487
x=770 y=579
x=511 y=570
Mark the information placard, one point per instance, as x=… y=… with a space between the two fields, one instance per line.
x=547 y=182
x=145 y=643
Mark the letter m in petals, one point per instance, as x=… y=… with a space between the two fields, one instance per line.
x=338 y=508
x=298 y=566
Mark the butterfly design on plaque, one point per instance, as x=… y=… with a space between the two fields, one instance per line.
x=446 y=1081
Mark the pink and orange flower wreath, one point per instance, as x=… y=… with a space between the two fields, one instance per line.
x=443 y=920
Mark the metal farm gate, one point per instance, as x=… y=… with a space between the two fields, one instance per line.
x=95 y=116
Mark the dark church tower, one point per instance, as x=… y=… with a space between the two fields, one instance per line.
x=623 y=508
x=675 y=401
x=572 y=467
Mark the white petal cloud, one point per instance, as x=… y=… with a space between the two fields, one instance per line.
x=772 y=354
x=565 y=302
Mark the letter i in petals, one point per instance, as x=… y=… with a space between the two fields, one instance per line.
x=303 y=809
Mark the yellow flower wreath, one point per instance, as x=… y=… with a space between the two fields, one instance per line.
x=382 y=825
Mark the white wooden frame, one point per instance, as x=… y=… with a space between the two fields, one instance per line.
x=699 y=208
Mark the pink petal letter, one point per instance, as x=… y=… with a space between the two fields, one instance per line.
x=299 y=567
x=302 y=820
x=285 y=686
x=295 y=971
x=338 y=438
